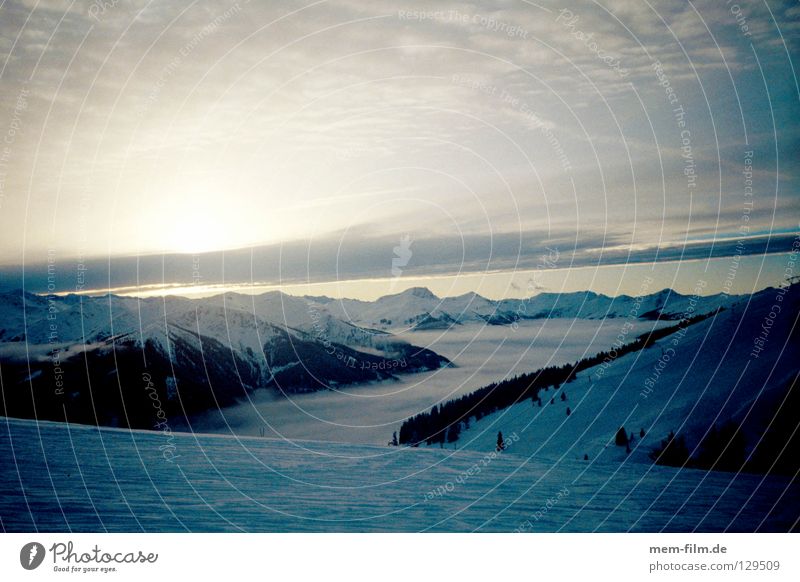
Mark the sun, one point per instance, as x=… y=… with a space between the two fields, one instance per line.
x=196 y=232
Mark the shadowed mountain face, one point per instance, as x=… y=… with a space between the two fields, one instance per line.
x=125 y=362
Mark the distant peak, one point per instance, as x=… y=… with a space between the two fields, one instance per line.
x=471 y=295
x=421 y=292
x=666 y=294
x=418 y=292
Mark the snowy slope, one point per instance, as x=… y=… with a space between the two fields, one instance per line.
x=685 y=383
x=72 y=478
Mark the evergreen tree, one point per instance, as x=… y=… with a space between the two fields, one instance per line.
x=453 y=432
x=405 y=437
x=563 y=396
x=568 y=411
x=723 y=449
x=394 y=439
x=621 y=438
x=434 y=427
x=641 y=434
x=778 y=448
x=673 y=451
x=500 y=442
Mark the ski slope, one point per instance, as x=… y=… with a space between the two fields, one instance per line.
x=685 y=383
x=58 y=477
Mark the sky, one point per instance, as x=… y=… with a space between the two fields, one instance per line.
x=401 y=142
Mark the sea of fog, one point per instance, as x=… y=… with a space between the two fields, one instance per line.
x=368 y=414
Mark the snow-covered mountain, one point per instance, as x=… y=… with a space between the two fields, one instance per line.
x=244 y=323
x=418 y=308
x=234 y=317
x=197 y=354
x=735 y=367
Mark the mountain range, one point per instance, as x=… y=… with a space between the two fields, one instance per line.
x=110 y=359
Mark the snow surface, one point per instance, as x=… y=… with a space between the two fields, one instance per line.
x=685 y=383
x=58 y=477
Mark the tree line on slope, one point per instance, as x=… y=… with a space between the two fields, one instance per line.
x=444 y=422
x=775 y=448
